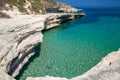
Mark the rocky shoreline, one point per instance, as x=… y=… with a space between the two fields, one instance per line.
x=18 y=39
x=19 y=35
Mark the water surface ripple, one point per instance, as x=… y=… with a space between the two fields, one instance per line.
x=76 y=46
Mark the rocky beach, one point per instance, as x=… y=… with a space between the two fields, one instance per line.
x=21 y=33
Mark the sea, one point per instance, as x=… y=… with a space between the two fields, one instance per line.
x=74 y=47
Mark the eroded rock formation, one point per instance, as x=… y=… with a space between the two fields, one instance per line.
x=53 y=6
x=17 y=42
x=18 y=38
x=36 y=6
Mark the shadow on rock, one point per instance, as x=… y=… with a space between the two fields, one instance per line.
x=37 y=54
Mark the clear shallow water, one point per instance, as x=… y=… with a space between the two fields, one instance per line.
x=76 y=46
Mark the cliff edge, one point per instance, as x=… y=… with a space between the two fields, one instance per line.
x=10 y=8
x=21 y=26
x=20 y=35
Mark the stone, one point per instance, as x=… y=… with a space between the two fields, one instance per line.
x=18 y=38
x=4 y=76
x=20 y=35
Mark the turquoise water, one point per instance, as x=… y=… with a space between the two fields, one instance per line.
x=76 y=46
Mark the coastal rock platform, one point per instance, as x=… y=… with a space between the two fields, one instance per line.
x=19 y=36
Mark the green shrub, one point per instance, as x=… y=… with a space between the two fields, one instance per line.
x=36 y=6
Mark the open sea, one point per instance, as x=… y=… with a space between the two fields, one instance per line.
x=76 y=46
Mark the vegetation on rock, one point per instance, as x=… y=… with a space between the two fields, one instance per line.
x=33 y=6
x=36 y=6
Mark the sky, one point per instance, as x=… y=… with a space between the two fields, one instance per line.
x=92 y=3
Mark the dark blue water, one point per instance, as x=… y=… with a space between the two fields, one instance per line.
x=76 y=46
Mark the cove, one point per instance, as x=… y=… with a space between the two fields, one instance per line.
x=76 y=46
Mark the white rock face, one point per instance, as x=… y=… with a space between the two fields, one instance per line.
x=4 y=76
x=107 y=69
x=57 y=19
x=46 y=78
x=68 y=10
x=19 y=36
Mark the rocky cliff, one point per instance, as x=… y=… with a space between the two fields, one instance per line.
x=52 y=6
x=35 y=6
x=24 y=6
x=18 y=39
x=21 y=33
x=19 y=36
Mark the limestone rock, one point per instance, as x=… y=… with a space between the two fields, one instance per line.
x=4 y=76
x=46 y=78
x=66 y=8
x=52 y=6
x=18 y=37
x=20 y=34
